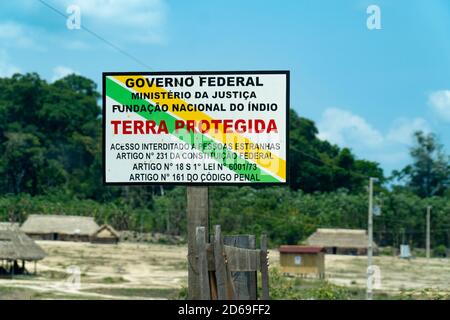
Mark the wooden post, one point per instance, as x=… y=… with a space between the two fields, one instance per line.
x=219 y=261
x=244 y=282
x=252 y=276
x=197 y=216
x=264 y=269
x=202 y=264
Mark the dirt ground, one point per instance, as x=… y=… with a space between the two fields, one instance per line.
x=123 y=271
x=151 y=271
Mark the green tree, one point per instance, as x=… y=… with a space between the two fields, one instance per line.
x=50 y=136
x=429 y=174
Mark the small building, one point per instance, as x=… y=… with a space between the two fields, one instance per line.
x=341 y=241
x=16 y=247
x=303 y=260
x=59 y=227
x=105 y=234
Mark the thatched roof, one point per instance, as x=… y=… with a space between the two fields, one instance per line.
x=16 y=245
x=9 y=226
x=69 y=225
x=339 y=238
x=110 y=231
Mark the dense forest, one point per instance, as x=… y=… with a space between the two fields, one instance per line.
x=50 y=162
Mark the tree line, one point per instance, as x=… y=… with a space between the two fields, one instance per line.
x=50 y=162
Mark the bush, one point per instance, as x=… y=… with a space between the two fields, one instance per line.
x=386 y=251
x=284 y=288
x=440 y=251
x=424 y=294
x=182 y=293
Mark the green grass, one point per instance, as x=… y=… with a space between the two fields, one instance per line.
x=11 y=293
x=295 y=288
x=161 y=293
x=53 y=275
x=112 y=280
x=62 y=296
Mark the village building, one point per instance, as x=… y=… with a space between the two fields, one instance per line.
x=341 y=241
x=59 y=227
x=16 y=248
x=106 y=235
x=9 y=225
x=302 y=260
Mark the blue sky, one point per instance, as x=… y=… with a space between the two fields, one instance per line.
x=365 y=89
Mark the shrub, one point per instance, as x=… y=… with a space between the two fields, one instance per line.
x=440 y=251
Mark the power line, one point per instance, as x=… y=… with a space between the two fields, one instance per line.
x=332 y=165
x=96 y=35
x=117 y=48
x=137 y=60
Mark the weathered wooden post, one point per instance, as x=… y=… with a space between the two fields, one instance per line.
x=245 y=282
x=202 y=264
x=228 y=153
x=197 y=216
x=219 y=260
x=264 y=268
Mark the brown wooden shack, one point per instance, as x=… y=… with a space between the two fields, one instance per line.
x=106 y=235
x=303 y=260
x=341 y=241
x=59 y=227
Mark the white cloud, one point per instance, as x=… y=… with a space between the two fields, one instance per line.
x=440 y=103
x=14 y=34
x=390 y=149
x=6 y=68
x=402 y=130
x=345 y=128
x=60 y=72
x=140 y=21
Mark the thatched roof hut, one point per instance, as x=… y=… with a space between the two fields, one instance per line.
x=9 y=226
x=58 y=227
x=341 y=241
x=16 y=245
x=105 y=234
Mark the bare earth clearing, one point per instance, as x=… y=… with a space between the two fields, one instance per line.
x=151 y=271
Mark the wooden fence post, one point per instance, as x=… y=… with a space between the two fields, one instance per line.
x=219 y=262
x=197 y=216
x=245 y=283
x=264 y=269
x=202 y=264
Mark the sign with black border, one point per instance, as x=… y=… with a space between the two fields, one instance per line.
x=196 y=128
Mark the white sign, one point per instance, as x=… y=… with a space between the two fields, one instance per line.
x=196 y=127
x=297 y=260
x=405 y=251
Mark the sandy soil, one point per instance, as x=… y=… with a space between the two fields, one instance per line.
x=150 y=271
x=135 y=267
x=396 y=274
